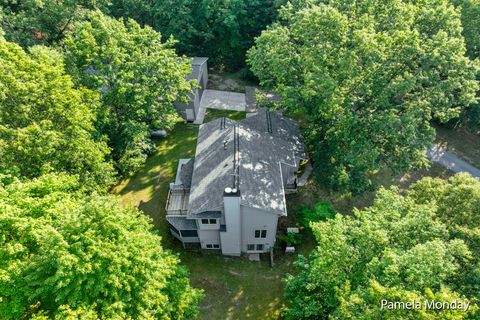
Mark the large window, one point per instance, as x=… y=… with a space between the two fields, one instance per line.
x=250 y=247
x=260 y=233
x=189 y=233
x=259 y=247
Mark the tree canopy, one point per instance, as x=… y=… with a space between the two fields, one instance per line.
x=66 y=254
x=46 y=123
x=470 y=15
x=138 y=77
x=422 y=245
x=368 y=76
x=42 y=21
x=221 y=30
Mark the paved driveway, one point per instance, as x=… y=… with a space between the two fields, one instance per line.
x=450 y=161
x=223 y=100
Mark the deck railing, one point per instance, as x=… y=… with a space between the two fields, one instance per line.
x=181 y=209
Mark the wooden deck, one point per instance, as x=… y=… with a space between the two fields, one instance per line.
x=177 y=202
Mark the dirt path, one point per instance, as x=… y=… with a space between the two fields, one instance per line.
x=451 y=161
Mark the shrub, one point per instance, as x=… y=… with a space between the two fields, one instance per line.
x=320 y=212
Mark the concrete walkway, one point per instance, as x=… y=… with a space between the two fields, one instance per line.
x=305 y=175
x=450 y=161
x=222 y=100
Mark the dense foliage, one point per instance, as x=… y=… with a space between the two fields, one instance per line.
x=369 y=76
x=42 y=21
x=138 y=76
x=64 y=254
x=470 y=15
x=422 y=245
x=319 y=212
x=219 y=29
x=46 y=124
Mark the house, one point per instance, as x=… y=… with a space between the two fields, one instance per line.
x=200 y=75
x=231 y=195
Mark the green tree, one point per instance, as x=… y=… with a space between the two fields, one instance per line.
x=46 y=124
x=470 y=15
x=369 y=76
x=42 y=21
x=402 y=248
x=458 y=206
x=65 y=254
x=138 y=77
x=353 y=306
x=219 y=29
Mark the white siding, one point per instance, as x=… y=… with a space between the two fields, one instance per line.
x=256 y=219
x=209 y=237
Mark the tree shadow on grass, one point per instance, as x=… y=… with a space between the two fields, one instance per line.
x=148 y=188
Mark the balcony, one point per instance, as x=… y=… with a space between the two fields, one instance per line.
x=177 y=201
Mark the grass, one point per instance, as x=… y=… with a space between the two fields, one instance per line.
x=235 y=288
x=148 y=188
x=212 y=114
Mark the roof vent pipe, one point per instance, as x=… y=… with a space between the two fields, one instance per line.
x=228 y=190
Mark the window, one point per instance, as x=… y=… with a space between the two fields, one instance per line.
x=260 y=233
x=259 y=247
x=189 y=233
x=250 y=247
x=216 y=246
x=209 y=246
x=212 y=246
x=209 y=221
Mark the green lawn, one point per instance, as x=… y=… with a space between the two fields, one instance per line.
x=235 y=288
x=212 y=114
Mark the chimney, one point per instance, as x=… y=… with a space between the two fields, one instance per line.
x=231 y=238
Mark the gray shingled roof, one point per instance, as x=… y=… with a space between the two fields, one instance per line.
x=186 y=173
x=251 y=101
x=182 y=223
x=256 y=148
x=279 y=126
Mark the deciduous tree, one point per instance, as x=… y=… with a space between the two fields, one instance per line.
x=66 y=254
x=42 y=21
x=369 y=76
x=402 y=248
x=46 y=124
x=218 y=29
x=138 y=77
